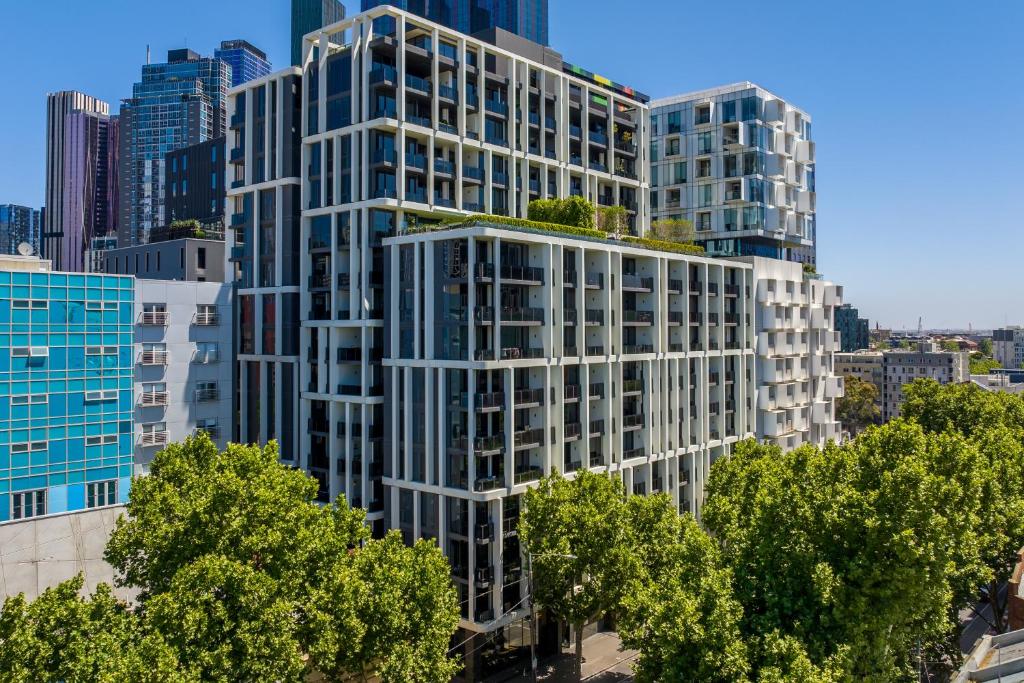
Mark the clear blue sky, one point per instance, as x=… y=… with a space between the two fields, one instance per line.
x=916 y=107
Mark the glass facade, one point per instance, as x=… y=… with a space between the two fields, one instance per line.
x=526 y=18
x=66 y=392
x=246 y=61
x=18 y=224
x=310 y=15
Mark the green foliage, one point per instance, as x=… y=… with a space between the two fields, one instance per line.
x=985 y=346
x=858 y=406
x=398 y=609
x=574 y=211
x=612 y=219
x=61 y=636
x=679 y=611
x=247 y=578
x=533 y=225
x=810 y=269
x=950 y=345
x=982 y=366
x=672 y=230
x=658 y=245
x=853 y=551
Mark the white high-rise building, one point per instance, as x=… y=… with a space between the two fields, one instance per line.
x=738 y=162
x=431 y=373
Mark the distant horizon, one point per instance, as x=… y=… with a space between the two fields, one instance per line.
x=915 y=216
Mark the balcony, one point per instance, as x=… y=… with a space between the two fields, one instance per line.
x=496 y=107
x=522 y=315
x=484 y=533
x=637 y=317
x=597 y=350
x=598 y=138
x=521 y=352
x=637 y=348
x=528 y=438
x=484 y=484
x=633 y=453
x=153 y=358
x=528 y=474
x=523 y=275
x=636 y=283
x=444 y=167
x=155 y=318
x=596 y=390
x=570 y=316
x=387 y=75
x=573 y=431
x=153 y=398
x=147 y=439
x=632 y=422
x=417 y=84
x=483 y=577
x=596 y=428
x=384 y=157
x=632 y=386
x=528 y=398
x=481 y=444
x=449 y=93
x=571 y=392
x=593 y=316
x=350 y=355
x=475 y=173
x=594 y=281
x=483 y=315
x=696 y=287
x=675 y=317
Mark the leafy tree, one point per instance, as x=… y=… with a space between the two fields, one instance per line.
x=853 y=550
x=574 y=211
x=982 y=366
x=247 y=578
x=612 y=219
x=398 y=610
x=586 y=518
x=994 y=422
x=672 y=230
x=950 y=345
x=858 y=406
x=62 y=636
x=985 y=346
x=679 y=611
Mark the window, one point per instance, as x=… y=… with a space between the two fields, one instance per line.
x=100 y=493
x=28 y=447
x=29 y=303
x=705 y=143
x=705 y=194
x=672 y=149
x=154 y=428
x=154 y=314
x=703 y=168
x=101 y=396
x=207 y=352
x=728 y=111
x=102 y=440
x=702 y=114
x=201 y=258
x=206 y=314
x=27 y=504
x=25 y=400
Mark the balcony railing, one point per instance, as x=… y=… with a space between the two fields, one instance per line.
x=158 y=318
x=594 y=316
x=636 y=282
x=571 y=392
x=596 y=390
x=633 y=453
x=528 y=438
x=153 y=358
x=153 y=439
x=632 y=386
x=573 y=430
x=632 y=421
x=596 y=350
x=597 y=428
x=210 y=394
x=594 y=280
x=637 y=348
x=523 y=274
x=640 y=317
x=153 y=398
x=525 y=397
x=511 y=314
x=528 y=474
x=207 y=318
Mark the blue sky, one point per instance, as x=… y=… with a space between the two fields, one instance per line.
x=916 y=107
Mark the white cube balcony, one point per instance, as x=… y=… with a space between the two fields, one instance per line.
x=804 y=151
x=806 y=202
x=153 y=439
x=153 y=398
x=157 y=318
x=153 y=358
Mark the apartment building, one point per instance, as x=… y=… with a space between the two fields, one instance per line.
x=1008 y=347
x=739 y=162
x=796 y=341
x=66 y=409
x=854 y=331
x=184 y=373
x=866 y=366
x=903 y=366
x=509 y=352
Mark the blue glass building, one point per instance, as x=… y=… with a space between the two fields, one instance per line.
x=66 y=392
x=526 y=18
x=247 y=62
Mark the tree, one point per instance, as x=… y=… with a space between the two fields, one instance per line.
x=982 y=366
x=247 y=578
x=61 y=636
x=854 y=550
x=985 y=346
x=573 y=211
x=679 y=611
x=612 y=219
x=584 y=518
x=950 y=345
x=858 y=407
x=409 y=610
x=672 y=230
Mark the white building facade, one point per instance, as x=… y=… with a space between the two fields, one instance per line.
x=903 y=366
x=1008 y=347
x=738 y=162
x=183 y=376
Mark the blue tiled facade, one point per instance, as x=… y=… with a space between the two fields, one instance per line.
x=66 y=392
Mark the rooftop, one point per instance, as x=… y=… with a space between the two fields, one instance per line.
x=708 y=93
x=996 y=658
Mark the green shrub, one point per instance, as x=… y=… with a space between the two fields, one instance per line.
x=661 y=245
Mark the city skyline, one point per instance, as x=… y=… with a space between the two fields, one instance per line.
x=880 y=203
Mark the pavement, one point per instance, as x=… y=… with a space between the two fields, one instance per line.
x=976 y=623
x=604 y=662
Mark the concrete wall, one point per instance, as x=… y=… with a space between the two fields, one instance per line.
x=36 y=554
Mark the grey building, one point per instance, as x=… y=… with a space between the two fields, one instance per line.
x=176 y=104
x=903 y=366
x=190 y=259
x=18 y=224
x=194 y=187
x=1008 y=346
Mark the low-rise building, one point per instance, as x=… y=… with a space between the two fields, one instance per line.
x=926 y=361
x=865 y=366
x=188 y=259
x=1008 y=346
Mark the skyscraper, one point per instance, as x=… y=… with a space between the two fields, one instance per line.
x=854 y=330
x=526 y=18
x=176 y=104
x=310 y=15
x=81 y=177
x=18 y=224
x=247 y=62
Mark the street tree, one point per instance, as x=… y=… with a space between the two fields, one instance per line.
x=679 y=611
x=63 y=636
x=577 y=533
x=858 y=407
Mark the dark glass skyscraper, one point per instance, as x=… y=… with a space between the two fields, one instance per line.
x=310 y=15
x=18 y=224
x=247 y=61
x=526 y=18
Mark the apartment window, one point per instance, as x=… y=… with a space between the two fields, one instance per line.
x=706 y=194
x=201 y=257
x=153 y=314
x=702 y=114
x=206 y=314
x=703 y=168
x=26 y=400
x=705 y=143
x=673 y=148
x=728 y=111
x=154 y=428
x=25 y=504
x=100 y=494
x=102 y=440
x=28 y=447
x=207 y=391
x=207 y=352
x=704 y=221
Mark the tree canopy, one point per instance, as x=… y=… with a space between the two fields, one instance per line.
x=858 y=407
x=573 y=211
